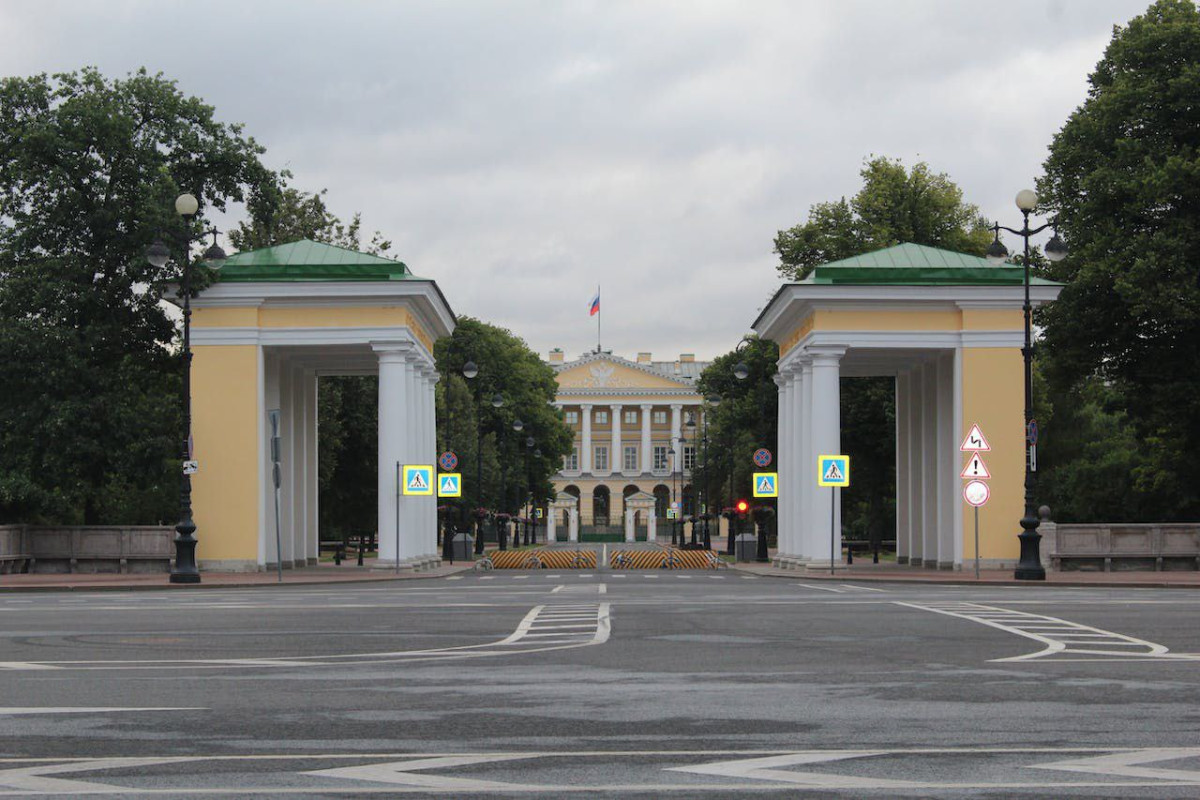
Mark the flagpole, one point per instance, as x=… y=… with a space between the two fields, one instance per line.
x=598 y=348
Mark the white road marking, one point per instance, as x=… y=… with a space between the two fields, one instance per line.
x=1060 y=637
x=862 y=588
x=822 y=588
x=596 y=614
x=766 y=769
x=743 y=771
x=454 y=578
x=400 y=773
x=30 y=710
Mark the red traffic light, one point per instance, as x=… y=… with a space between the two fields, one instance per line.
x=742 y=505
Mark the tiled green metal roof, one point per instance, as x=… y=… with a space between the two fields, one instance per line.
x=307 y=260
x=917 y=264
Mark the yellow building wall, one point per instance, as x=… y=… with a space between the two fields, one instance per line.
x=225 y=420
x=312 y=317
x=993 y=396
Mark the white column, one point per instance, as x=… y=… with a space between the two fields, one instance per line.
x=806 y=470
x=287 y=462
x=676 y=444
x=903 y=477
x=299 y=457
x=783 y=382
x=615 y=458
x=430 y=423
x=916 y=449
x=267 y=554
x=929 y=460
x=573 y=525
x=585 y=457
x=646 y=457
x=826 y=439
x=630 y=534
x=393 y=444
x=551 y=521
x=311 y=485
x=410 y=505
x=651 y=526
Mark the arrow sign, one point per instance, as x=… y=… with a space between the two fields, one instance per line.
x=975 y=469
x=975 y=441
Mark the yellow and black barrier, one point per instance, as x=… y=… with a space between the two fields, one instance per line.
x=663 y=559
x=544 y=559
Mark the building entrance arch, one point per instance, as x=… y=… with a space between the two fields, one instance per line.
x=949 y=329
x=274 y=321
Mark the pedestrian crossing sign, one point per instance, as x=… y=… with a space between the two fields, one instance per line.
x=833 y=470
x=418 y=480
x=450 y=484
x=766 y=484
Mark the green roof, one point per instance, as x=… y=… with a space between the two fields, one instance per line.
x=916 y=264
x=306 y=260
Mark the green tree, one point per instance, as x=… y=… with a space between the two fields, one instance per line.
x=745 y=419
x=1122 y=179
x=90 y=425
x=303 y=215
x=507 y=367
x=894 y=205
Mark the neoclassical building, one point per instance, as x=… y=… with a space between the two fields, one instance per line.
x=636 y=425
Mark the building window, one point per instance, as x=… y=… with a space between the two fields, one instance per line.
x=689 y=457
x=631 y=418
x=601 y=417
x=660 y=458
x=600 y=464
x=660 y=417
x=630 y=464
x=571 y=417
x=571 y=461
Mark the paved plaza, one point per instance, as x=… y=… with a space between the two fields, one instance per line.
x=632 y=684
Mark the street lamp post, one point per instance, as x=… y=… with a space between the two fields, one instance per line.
x=525 y=498
x=1029 y=568
x=184 y=570
x=741 y=371
x=691 y=426
x=713 y=401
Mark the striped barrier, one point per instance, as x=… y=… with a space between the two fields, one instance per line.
x=664 y=559
x=544 y=559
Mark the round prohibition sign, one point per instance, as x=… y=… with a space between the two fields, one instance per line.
x=762 y=457
x=976 y=493
x=448 y=460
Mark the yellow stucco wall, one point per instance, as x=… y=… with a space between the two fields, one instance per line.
x=993 y=390
x=225 y=419
x=312 y=317
x=918 y=320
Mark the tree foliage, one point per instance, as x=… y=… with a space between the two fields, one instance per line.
x=90 y=425
x=894 y=205
x=507 y=367
x=1123 y=339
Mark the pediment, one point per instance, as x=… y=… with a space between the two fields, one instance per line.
x=614 y=373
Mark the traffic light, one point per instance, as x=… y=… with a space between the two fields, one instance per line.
x=742 y=506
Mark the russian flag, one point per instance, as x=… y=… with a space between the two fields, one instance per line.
x=594 y=306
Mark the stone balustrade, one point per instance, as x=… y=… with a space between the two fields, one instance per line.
x=98 y=548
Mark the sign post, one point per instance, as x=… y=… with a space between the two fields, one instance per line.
x=833 y=471
x=976 y=493
x=277 y=478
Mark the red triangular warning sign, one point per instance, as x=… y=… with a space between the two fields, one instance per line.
x=975 y=469
x=975 y=442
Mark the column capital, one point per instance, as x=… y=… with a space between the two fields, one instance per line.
x=676 y=406
x=392 y=352
x=781 y=380
x=617 y=406
x=646 y=406
x=826 y=355
x=586 y=406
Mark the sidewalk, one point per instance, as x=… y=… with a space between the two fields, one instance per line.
x=897 y=573
x=321 y=575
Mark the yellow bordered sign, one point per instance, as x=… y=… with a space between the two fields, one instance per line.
x=418 y=480
x=833 y=470
x=766 y=484
x=449 y=484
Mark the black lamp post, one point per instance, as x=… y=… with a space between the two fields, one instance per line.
x=713 y=401
x=184 y=570
x=1029 y=568
x=526 y=498
x=691 y=426
x=740 y=371
x=469 y=371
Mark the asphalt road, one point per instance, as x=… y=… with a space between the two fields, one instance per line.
x=615 y=684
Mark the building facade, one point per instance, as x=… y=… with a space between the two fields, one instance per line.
x=636 y=425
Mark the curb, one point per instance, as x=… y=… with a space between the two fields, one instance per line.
x=923 y=581
x=166 y=586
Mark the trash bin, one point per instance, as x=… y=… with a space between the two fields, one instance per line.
x=463 y=547
x=745 y=547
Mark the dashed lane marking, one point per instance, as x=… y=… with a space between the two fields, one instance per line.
x=596 y=615
x=1062 y=639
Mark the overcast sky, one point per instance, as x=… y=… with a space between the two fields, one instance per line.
x=520 y=153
